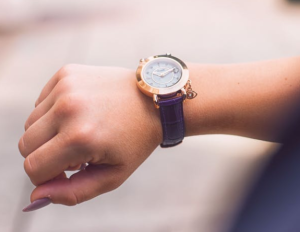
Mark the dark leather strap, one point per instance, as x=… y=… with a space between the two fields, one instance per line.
x=171 y=114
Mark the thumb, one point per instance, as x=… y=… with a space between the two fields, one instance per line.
x=81 y=186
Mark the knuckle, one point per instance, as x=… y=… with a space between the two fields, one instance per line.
x=33 y=117
x=78 y=198
x=37 y=102
x=64 y=85
x=82 y=135
x=71 y=199
x=67 y=105
x=21 y=146
x=61 y=108
x=77 y=195
x=27 y=124
x=66 y=70
x=30 y=169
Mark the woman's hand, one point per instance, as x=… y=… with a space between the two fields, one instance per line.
x=93 y=115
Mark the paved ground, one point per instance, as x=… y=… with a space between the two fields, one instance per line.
x=194 y=187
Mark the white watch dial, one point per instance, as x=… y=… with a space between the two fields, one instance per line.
x=162 y=73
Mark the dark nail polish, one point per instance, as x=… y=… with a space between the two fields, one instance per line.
x=37 y=204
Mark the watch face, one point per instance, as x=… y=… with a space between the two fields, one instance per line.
x=162 y=73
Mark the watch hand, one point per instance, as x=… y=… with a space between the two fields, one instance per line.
x=167 y=72
x=157 y=74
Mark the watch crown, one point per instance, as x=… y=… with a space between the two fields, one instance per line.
x=168 y=54
x=142 y=60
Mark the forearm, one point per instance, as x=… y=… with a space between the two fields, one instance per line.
x=252 y=100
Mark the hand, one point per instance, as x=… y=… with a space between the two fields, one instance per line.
x=91 y=115
x=167 y=72
x=163 y=73
x=157 y=74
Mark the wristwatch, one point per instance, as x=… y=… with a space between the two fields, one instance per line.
x=165 y=78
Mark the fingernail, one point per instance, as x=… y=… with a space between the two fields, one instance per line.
x=83 y=166
x=37 y=204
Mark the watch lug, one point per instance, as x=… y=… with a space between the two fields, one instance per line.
x=155 y=101
x=183 y=92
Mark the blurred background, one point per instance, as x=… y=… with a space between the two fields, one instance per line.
x=197 y=186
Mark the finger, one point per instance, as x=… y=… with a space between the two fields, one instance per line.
x=48 y=87
x=42 y=131
x=40 y=111
x=81 y=186
x=51 y=159
x=65 y=71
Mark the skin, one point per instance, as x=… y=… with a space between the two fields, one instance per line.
x=97 y=115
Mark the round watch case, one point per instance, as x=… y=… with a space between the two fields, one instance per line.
x=149 y=90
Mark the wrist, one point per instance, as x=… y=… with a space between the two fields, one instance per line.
x=153 y=117
x=205 y=114
x=155 y=82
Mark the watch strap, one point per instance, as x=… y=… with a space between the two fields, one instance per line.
x=171 y=113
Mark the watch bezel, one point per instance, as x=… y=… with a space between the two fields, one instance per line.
x=150 y=90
